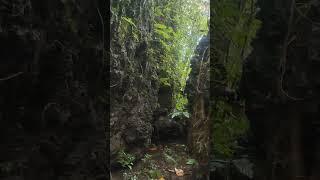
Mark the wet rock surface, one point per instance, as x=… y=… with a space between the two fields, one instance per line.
x=166 y=129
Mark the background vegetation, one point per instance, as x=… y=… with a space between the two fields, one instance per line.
x=179 y=24
x=233 y=27
x=177 y=27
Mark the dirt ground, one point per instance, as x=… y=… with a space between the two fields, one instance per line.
x=169 y=161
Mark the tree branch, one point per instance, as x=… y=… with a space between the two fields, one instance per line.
x=10 y=77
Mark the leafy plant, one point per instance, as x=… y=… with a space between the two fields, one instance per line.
x=125 y=159
x=146 y=158
x=169 y=155
x=180 y=114
x=192 y=162
x=128 y=29
x=154 y=174
x=234 y=25
x=176 y=35
x=169 y=158
x=128 y=176
x=165 y=82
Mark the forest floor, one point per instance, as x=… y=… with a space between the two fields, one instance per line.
x=165 y=161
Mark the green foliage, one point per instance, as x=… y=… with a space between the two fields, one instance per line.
x=154 y=174
x=169 y=156
x=129 y=20
x=191 y=162
x=165 y=82
x=125 y=159
x=234 y=26
x=128 y=176
x=177 y=28
x=184 y=114
x=128 y=29
x=230 y=123
x=151 y=169
x=181 y=101
x=146 y=158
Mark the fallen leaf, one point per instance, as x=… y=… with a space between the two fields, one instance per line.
x=179 y=172
x=161 y=178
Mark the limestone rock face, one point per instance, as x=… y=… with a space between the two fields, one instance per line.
x=197 y=90
x=133 y=83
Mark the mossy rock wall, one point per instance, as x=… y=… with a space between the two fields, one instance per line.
x=134 y=81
